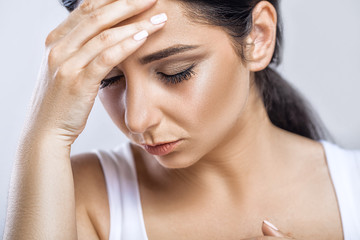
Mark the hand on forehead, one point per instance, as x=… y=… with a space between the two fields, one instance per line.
x=89 y=6
x=171 y=8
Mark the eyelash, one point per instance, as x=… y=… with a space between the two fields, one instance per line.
x=167 y=79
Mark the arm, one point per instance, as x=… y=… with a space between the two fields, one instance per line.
x=80 y=52
x=41 y=197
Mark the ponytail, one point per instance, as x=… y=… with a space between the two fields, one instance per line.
x=285 y=106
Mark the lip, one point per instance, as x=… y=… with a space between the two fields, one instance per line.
x=162 y=149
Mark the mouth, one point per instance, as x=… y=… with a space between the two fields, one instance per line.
x=162 y=149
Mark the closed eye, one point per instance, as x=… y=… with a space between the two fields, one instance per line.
x=167 y=79
x=110 y=81
x=179 y=77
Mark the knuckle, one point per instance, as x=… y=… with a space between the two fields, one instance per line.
x=141 y=26
x=87 y=7
x=105 y=36
x=63 y=73
x=107 y=58
x=53 y=55
x=131 y=3
x=51 y=38
x=134 y=4
x=95 y=16
x=122 y=48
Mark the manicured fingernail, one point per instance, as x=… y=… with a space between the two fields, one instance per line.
x=141 y=35
x=271 y=225
x=157 y=19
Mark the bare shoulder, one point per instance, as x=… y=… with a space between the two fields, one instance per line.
x=302 y=147
x=92 y=208
x=311 y=184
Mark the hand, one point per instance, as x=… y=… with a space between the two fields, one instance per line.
x=80 y=52
x=270 y=232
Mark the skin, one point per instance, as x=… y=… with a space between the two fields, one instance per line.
x=235 y=158
x=233 y=168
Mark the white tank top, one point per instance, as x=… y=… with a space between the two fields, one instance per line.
x=126 y=217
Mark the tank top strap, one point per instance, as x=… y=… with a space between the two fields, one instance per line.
x=126 y=218
x=344 y=168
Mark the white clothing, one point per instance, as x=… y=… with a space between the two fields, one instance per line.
x=344 y=167
x=126 y=217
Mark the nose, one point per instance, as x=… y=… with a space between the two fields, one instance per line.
x=141 y=111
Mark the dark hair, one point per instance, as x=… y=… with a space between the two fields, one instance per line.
x=285 y=106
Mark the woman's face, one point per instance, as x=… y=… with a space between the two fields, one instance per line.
x=202 y=109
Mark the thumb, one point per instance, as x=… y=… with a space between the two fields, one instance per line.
x=270 y=230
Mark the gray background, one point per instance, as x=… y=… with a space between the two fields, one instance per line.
x=321 y=58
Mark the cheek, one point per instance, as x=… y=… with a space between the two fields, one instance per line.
x=214 y=100
x=208 y=108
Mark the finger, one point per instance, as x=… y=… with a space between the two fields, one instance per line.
x=73 y=41
x=102 y=19
x=97 y=69
x=74 y=18
x=265 y=238
x=269 y=229
x=109 y=38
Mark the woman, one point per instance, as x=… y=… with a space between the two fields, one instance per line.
x=219 y=142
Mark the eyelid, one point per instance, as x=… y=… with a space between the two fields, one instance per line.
x=172 y=70
x=113 y=73
x=116 y=73
x=180 y=70
x=176 y=78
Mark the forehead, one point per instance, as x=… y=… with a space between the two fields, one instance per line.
x=179 y=29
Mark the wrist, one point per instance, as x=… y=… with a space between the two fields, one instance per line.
x=44 y=140
x=41 y=134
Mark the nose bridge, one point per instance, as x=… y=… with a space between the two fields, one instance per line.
x=141 y=112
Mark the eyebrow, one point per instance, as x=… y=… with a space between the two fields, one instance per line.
x=167 y=52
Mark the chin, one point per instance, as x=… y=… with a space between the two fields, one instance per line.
x=175 y=160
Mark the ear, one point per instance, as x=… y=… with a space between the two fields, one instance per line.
x=262 y=39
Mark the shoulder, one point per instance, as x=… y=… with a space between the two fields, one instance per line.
x=92 y=210
x=88 y=176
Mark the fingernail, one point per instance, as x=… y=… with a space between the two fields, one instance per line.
x=271 y=225
x=141 y=35
x=157 y=19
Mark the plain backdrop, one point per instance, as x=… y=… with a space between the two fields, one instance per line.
x=321 y=58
